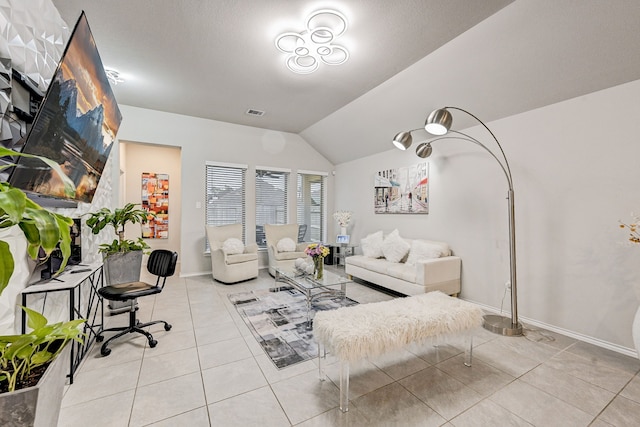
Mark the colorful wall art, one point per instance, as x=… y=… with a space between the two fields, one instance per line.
x=155 y=198
x=403 y=190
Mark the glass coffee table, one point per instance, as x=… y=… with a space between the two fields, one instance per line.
x=331 y=284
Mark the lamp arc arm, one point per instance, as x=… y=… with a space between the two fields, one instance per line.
x=506 y=162
x=465 y=137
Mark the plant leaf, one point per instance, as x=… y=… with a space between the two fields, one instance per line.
x=6 y=265
x=35 y=320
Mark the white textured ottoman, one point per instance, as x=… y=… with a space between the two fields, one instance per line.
x=368 y=330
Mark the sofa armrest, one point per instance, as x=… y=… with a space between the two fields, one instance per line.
x=251 y=248
x=438 y=270
x=300 y=247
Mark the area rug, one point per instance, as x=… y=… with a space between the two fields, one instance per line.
x=277 y=318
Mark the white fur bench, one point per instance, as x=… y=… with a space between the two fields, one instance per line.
x=368 y=330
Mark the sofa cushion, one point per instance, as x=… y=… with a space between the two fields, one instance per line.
x=421 y=250
x=240 y=258
x=394 y=247
x=285 y=256
x=286 y=245
x=372 y=245
x=233 y=246
x=402 y=271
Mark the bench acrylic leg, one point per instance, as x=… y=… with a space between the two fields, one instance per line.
x=468 y=352
x=322 y=354
x=344 y=386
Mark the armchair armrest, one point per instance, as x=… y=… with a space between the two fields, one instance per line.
x=251 y=248
x=438 y=270
x=300 y=247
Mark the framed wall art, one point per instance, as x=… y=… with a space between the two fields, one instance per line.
x=155 y=198
x=402 y=190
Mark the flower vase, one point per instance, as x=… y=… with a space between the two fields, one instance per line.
x=318 y=267
x=343 y=231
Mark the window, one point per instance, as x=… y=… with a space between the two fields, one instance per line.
x=225 y=195
x=312 y=205
x=271 y=200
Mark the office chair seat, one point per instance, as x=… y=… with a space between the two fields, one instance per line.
x=127 y=291
x=162 y=263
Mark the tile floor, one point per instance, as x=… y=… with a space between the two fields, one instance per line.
x=209 y=371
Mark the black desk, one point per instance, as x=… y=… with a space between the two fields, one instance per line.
x=89 y=308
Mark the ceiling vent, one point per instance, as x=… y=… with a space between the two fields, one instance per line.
x=253 y=112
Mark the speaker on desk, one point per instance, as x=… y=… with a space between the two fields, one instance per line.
x=52 y=265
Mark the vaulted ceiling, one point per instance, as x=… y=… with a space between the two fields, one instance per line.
x=216 y=59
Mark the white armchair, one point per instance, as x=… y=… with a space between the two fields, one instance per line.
x=283 y=258
x=230 y=261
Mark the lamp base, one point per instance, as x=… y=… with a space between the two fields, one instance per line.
x=501 y=325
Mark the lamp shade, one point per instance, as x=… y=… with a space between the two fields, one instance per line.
x=439 y=122
x=424 y=150
x=402 y=140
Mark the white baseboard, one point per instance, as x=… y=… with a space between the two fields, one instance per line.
x=580 y=337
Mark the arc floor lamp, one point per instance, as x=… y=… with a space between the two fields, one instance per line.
x=439 y=123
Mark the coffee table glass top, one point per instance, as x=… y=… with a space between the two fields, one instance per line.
x=329 y=278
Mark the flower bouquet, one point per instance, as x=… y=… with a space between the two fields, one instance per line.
x=343 y=217
x=317 y=251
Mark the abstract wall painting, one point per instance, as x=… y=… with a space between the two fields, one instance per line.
x=155 y=198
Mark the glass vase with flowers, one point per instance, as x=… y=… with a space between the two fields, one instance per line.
x=317 y=252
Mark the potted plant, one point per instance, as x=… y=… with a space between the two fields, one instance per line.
x=42 y=228
x=122 y=258
x=32 y=376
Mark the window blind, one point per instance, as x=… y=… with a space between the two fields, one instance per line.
x=271 y=200
x=225 y=193
x=311 y=205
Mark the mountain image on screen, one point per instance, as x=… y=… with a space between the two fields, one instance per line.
x=75 y=125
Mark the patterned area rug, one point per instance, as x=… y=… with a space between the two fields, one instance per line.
x=277 y=318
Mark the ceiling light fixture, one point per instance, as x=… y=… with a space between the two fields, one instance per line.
x=439 y=123
x=307 y=49
x=113 y=76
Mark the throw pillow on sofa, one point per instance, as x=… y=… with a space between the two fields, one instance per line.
x=286 y=245
x=372 y=245
x=394 y=247
x=233 y=246
x=421 y=250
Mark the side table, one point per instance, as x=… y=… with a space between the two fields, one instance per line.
x=84 y=302
x=341 y=251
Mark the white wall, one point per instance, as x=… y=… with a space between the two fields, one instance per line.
x=142 y=158
x=576 y=173
x=202 y=140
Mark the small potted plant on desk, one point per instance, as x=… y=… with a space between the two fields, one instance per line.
x=32 y=376
x=122 y=258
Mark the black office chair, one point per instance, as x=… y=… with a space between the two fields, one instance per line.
x=162 y=263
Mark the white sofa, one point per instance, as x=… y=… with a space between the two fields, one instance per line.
x=431 y=267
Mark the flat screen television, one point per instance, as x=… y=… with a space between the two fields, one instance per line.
x=75 y=125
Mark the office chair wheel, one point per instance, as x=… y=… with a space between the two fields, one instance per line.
x=99 y=338
x=105 y=351
x=153 y=343
x=167 y=327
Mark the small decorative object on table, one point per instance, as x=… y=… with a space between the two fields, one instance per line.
x=343 y=218
x=317 y=252
x=634 y=237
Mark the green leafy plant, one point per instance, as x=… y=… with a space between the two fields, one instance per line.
x=118 y=219
x=20 y=355
x=41 y=227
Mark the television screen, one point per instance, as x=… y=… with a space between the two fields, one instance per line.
x=75 y=126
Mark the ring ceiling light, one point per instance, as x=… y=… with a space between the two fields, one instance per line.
x=307 y=49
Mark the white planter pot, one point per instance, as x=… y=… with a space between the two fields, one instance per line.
x=23 y=268
x=635 y=331
x=37 y=406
